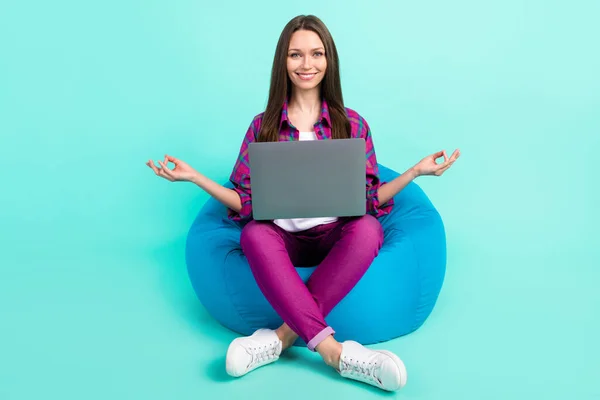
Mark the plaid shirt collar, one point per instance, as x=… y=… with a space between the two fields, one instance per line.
x=324 y=114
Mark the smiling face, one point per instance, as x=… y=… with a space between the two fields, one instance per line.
x=306 y=61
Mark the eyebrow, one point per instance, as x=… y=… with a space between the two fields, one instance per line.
x=318 y=48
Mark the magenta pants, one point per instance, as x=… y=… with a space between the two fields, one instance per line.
x=343 y=251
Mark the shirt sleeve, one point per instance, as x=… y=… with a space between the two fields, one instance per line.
x=240 y=176
x=373 y=182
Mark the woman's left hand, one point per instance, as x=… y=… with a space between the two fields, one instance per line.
x=429 y=166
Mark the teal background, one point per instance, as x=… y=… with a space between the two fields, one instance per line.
x=94 y=297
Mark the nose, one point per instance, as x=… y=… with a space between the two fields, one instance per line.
x=306 y=63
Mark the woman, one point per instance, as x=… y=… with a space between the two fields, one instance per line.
x=305 y=103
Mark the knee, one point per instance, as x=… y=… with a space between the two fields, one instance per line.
x=367 y=229
x=254 y=232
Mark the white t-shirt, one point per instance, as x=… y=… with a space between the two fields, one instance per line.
x=301 y=224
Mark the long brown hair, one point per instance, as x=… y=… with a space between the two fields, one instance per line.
x=281 y=85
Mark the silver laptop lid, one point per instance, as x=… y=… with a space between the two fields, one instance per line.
x=306 y=179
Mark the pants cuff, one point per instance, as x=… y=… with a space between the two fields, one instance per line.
x=314 y=342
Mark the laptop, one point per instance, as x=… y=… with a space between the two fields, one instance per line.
x=307 y=179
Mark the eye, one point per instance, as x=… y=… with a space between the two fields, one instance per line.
x=294 y=55
x=318 y=54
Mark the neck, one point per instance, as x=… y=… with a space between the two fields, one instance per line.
x=305 y=101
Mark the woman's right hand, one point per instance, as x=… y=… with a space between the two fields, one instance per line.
x=429 y=166
x=181 y=172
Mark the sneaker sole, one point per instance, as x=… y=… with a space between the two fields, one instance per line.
x=400 y=365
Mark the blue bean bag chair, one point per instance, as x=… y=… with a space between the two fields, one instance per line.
x=393 y=298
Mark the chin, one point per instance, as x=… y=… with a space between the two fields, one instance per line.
x=307 y=85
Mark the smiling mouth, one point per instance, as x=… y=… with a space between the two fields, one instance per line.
x=306 y=76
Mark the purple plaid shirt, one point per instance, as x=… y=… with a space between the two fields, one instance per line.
x=240 y=177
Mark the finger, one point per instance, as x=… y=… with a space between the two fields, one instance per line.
x=442 y=170
x=165 y=175
x=448 y=163
x=450 y=160
x=444 y=164
x=438 y=154
x=153 y=166
x=166 y=169
x=172 y=159
x=455 y=155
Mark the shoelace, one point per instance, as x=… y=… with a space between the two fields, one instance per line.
x=360 y=368
x=262 y=353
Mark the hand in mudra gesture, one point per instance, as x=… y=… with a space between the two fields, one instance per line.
x=181 y=172
x=429 y=166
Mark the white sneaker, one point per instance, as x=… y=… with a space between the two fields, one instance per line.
x=376 y=367
x=250 y=352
